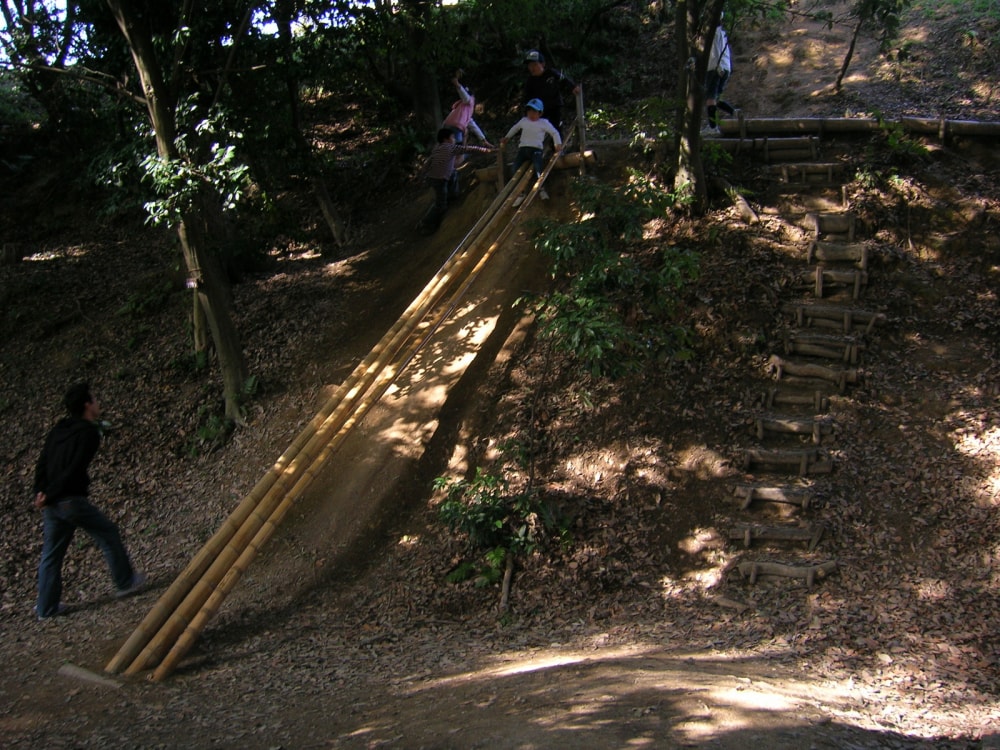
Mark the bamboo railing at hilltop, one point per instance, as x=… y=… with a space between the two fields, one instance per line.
x=939 y=127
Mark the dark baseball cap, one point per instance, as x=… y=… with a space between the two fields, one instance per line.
x=534 y=56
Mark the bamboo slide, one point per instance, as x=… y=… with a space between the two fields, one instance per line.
x=385 y=379
x=196 y=594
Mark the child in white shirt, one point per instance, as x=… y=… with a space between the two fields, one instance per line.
x=533 y=129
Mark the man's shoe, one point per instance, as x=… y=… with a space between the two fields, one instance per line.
x=543 y=194
x=61 y=609
x=710 y=131
x=137 y=585
x=518 y=201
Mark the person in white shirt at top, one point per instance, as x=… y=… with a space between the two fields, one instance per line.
x=533 y=128
x=720 y=67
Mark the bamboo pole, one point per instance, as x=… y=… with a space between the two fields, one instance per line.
x=581 y=121
x=230 y=552
x=183 y=583
x=195 y=585
x=203 y=560
x=234 y=572
x=935 y=126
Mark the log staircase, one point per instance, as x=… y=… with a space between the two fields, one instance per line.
x=818 y=356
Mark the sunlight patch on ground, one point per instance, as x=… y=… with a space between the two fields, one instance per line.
x=933 y=589
x=703 y=462
x=703 y=695
x=63 y=252
x=700 y=540
x=984 y=446
x=308 y=254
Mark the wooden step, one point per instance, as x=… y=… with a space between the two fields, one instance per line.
x=816 y=428
x=748 y=533
x=804 y=462
x=747 y=493
x=842 y=224
x=808 y=573
x=846 y=319
x=823 y=280
x=838 y=252
x=771 y=149
x=782 y=367
x=808 y=173
x=846 y=348
x=816 y=400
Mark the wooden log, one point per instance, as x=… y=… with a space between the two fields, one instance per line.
x=575 y=159
x=747 y=493
x=822 y=279
x=808 y=573
x=189 y=592
x=846 y=319
x=743 y=206
x=847 y=354
x=836 y=252
x=807 y=173
x=779 y=396
x=939 y=127
x=748 y=533
x=833 y=223
x=803 y=461
x=845 y=349
x=804 y=147
x=793 y=143
x=581 y=120
x=792 y=155
x=501 y=178
x=816 y=428
x=840 y=377
x=847 y=277
x=943 y=128
x=817 y=125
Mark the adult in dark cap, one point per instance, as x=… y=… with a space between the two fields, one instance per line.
x=547 y=83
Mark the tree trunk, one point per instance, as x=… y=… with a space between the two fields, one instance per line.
x=212 y=291
x=283 y=19
x=694 y=41
x=199 y=332
x=688 y=169
x=423 y=78
x=849 y=55
x=203 y=270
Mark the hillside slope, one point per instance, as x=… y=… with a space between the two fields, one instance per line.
x=639 y=632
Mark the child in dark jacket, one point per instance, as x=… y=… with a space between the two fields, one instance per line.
x=442 y=175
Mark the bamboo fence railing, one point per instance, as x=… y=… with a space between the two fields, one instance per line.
x=173 y=624
x=940 y=127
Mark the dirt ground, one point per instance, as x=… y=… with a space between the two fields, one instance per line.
x=641 y=633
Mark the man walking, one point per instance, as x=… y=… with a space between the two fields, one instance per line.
x=61 y=487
